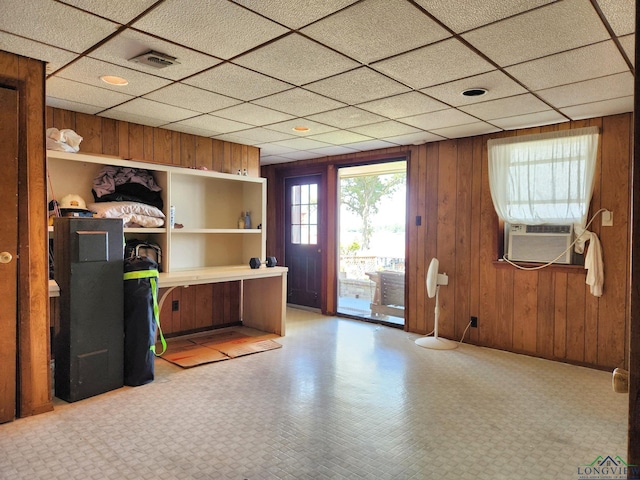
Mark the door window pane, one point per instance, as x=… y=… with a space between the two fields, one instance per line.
x=304 y=214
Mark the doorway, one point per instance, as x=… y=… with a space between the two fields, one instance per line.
x=8 y=253
x=303 y=250
x=372 y=240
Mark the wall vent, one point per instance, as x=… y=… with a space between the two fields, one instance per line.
x=155 y=60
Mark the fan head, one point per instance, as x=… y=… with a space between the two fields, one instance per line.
x=432 y=277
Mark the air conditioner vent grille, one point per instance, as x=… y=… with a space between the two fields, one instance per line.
x=155 y=60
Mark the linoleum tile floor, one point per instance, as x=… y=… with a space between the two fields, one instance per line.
x=341 y=400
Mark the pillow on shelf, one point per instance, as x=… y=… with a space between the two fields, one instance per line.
x=133 y=214
x=119 y=209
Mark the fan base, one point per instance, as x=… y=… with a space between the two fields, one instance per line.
x=436 y=343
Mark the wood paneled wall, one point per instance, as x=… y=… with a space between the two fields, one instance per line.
x=34 y=375
x=155 y=145
x=547 y=313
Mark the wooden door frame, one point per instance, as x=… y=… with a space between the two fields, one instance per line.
x=633 y=453
x=34 y=374
x=278 y=225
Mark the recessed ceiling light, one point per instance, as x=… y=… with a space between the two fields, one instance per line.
x=474 y=92
x=111 y=80
x=301 y=128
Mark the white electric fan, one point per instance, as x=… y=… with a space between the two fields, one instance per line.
x=434 y=280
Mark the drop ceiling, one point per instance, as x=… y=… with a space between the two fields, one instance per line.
x=361 y=75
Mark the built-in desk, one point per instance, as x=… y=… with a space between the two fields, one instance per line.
x=263 y=292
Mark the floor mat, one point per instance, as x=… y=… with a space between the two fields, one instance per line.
x=214 y=347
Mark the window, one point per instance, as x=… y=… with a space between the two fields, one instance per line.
x=545 y=178
x=304 y=214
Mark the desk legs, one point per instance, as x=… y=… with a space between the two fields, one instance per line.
x=264 y=303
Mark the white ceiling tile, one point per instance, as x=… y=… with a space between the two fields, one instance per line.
x=620 y=14
x=73 y=106
x=87 y=70
x=54 y=24
x=299 y=102
x=315 y=128
x=124 y=13
x=160 y=111
x=357 y=86
x=629 y=44
x=132 y=117
x=296 y=59
x=290 y=13
x=252 y=114
x=552 y=29
x=414 y=138
x=190 y=129
x=274 y=149
x=262 y=135
x=600 y=109
x=496 y=83
x=237 y=82
x=367 y=32
x=234 y=138
x=130 y=43
x=347 y=117
x=403 y=105
x=385 y=129
x=301 y=144
x=613 y=86
x=210 y=26
x=274 y=159
x=508 y=106
x=299 y=155
x=468 y=130
x=55 y=57
x=439 y=119
x=434 y=64
x=529 y=120
x=577 y=65
x=333 y=150
x=214 y=125
x=101 y=98
x=192 y=98
x=370 y=145
x=340 y=137
x=474 y=13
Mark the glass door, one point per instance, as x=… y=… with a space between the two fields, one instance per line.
x=372 y=206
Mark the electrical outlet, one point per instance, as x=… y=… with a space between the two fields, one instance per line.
x=607 y=218
x=175 y=305
x=474 y=322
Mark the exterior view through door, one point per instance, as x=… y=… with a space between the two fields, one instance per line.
x=372 y=218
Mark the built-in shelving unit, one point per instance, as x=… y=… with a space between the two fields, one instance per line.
x=207 y=204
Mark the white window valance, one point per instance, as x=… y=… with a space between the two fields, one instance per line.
x=543 y=178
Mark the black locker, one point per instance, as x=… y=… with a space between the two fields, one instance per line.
x=88 y=267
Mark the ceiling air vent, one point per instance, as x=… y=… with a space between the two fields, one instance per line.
x=155 y=60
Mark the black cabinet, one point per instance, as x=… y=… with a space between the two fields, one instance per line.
x=88 y=267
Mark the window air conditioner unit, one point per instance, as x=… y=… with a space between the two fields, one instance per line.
x=540 y=243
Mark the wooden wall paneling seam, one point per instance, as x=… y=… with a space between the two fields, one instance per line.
x=545 y=310
x=204 y=153
x=187 y=150
x=464 y=175
x=446 y=233
x=615 y=197
x=331 y=244
x=474 y=240
x=593 y=303
x=413 y=322
x=560 y=316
